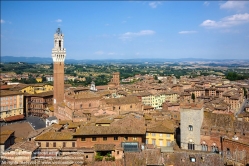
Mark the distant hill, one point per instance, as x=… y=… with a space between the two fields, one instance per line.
x=6 y=59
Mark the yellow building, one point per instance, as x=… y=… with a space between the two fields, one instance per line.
x=24 y=88
x=38 y=79
x=160 y=135
x=11 y=105
x=39 y=88
x=33 y=88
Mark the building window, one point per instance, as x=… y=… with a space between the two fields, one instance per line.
x=115 y=138
x=90 y=104
x=117 y=152
x=214 y=149
x=104 y=138
x=153 y=134
x=168 y=143
x=73 y=144
x=54 y=144
x=130 y=106
x=83 y=139
x=47 y=144
x=160 y=135
x=39 y=144
x=81 y=106
x=168 y=135
x=134 y=138
x=161 y=142
x=86 y=156
x=153 y=141
x=204 y=147
x=147 y=141
x=94 y=138
x=64 y=144
x=190 y=127
x=125 y=138
x=191 y=146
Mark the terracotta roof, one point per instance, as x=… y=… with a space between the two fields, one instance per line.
x=20 y=87
x=7 y=132
x=9 y=93
x=42 y=94
x=27 y=146
x=165 y=126
x=21 y=129
x=146 y=107
x=105 y=120
x=4 y=138
x=104 y=147
x=74 y=124
x=55 y=136
x=63 y=122
x=108 y=130
x=13 y=118
x=122 y=100
x=160 y=129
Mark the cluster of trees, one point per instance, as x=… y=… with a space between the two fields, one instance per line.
x=233 y=76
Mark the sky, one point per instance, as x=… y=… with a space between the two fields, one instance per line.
x=127 y=29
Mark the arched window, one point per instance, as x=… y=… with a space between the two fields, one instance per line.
x=191 y=145
x=214 y=148
x=204 y=146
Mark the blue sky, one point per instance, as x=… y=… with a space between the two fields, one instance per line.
x=127 y=29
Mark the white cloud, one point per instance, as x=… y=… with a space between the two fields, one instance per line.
x=99 y=53
x=229 y=21
x=2 y=21
x=236 y=5
x=58 y=20
x=206 y=3
x=128 y=35
x=187 y=32
x=154 y=4
x=111 y=53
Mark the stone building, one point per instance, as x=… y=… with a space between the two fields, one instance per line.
x=58 y=55
x=191 y=120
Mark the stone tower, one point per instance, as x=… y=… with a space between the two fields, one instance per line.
x=191 y=122
x=58 y=55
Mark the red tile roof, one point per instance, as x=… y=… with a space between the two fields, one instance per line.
x=12 y=118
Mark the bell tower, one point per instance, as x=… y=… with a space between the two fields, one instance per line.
x=58 y=56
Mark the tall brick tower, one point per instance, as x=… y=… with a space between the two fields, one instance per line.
x=58 y=55
x=115 y=79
